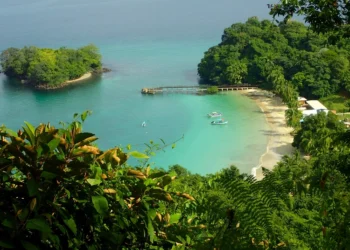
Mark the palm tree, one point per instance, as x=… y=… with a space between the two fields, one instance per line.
x=293 y=117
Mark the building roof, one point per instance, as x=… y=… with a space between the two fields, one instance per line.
x=309 y=112
x=314 y=104
x=300 y=98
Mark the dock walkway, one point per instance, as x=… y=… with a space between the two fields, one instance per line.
x=195 y=89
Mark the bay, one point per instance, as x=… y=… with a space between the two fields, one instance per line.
x=145 y=43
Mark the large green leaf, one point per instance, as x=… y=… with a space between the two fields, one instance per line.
x=32 y=187
x=166 y=180
x=82 y=136
x=30 y=131
x=174 y=218
x=9 y=222
x=29 y=246
x=138 y=155
x=150 y=230
x=48 y=175
x=54 y=143
x=157 y=175
x=6 y=244
x=94 y=182
x=100 y=204
x=71 y=225
x=38 y=224
x=152 y=213
x=10 y=132
x=84 y=115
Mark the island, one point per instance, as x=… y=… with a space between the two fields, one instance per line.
x=261 y=52
x=46 y=68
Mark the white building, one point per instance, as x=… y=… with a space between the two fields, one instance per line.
x=314 y=108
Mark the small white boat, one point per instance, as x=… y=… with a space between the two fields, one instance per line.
x=214 y=114
x=143 y=124
x=219 y=122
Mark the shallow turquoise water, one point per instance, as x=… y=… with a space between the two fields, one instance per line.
x=157 y=47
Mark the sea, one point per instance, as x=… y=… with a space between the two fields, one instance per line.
x=146 y=43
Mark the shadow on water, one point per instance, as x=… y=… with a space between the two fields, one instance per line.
x=11 y=85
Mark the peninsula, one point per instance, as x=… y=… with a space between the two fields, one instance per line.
x=45 y=68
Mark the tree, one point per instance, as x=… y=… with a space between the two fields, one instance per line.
x=347 y=104
x=319 y=134
x=50 y=67
x=323 y=16
x=279 y=57
x=293 y=117
x=212 y=90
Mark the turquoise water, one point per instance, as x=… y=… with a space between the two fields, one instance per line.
x=145 y=43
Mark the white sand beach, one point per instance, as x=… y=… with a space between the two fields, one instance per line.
x=83 y=77
x=279 y=137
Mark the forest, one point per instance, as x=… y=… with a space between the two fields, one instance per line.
x=52 y=67
x=253 y=51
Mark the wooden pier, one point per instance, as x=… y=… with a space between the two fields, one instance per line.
x=198 y=89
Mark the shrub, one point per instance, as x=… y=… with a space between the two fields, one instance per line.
x=60 y=191
x=212 y=90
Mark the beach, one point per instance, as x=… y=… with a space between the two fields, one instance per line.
x=83 y=77
x=64 y=84
x=279 y=137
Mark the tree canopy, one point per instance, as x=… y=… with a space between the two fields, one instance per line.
x=39 y=66
x=260 y=52
x=322 y=15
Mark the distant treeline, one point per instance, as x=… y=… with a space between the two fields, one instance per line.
x=259 y=51
x=43 y=66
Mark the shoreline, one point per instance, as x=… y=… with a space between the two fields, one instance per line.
x=279 y=137
x=65 y=84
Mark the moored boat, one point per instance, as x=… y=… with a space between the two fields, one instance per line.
x=214 y=114
x=219 y=122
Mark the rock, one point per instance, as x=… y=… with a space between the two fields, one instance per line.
x=100 y=71
x=105 y=70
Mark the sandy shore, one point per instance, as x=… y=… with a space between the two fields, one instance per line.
x=64 y=84
x=83 y=77
x=279 y=138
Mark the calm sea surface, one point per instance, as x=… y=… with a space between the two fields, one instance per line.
x=146 y=43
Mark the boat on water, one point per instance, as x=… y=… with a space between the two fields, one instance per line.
x=219 y=122
x=143 y=124
x=214 y=114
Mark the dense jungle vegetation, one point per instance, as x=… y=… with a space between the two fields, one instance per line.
x=43 y=66
x=256 y=51
x=60 y=191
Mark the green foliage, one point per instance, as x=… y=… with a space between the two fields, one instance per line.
x=48 y=66
x=335 y=102
x=212 y=90
x=319 y=134
x=260 y=52
x=60 y=191
x=322 y=15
